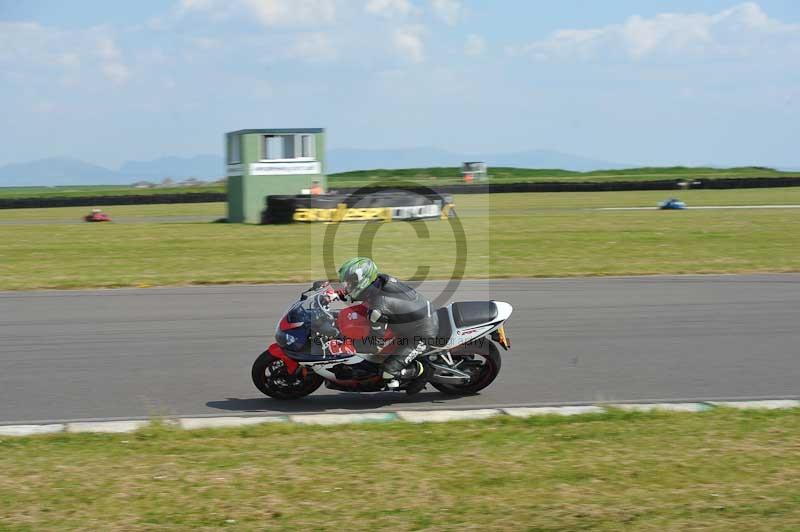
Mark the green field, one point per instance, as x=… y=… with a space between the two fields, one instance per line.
x=426 y=176
x=508 y=235
x=717 y=470
x=452 y=175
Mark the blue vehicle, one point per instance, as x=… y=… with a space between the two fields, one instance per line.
x=672 y=204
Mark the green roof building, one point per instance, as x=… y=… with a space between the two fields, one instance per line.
x=265 y=162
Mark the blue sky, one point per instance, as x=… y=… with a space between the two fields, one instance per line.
x=642 y=82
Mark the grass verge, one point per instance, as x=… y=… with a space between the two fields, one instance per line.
x=717 y=470
x=452 y=175
x=508 y=235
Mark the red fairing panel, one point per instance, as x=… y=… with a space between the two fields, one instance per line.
x=286 y=325
x=276 y=351
x=353 y=323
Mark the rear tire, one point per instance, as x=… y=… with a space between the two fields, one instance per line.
x=271 y=378
x=484 y=375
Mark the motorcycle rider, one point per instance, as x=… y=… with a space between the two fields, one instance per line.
x=394 y=303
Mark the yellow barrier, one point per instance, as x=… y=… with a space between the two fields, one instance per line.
x=344 y=214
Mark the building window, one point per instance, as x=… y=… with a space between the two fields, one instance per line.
x=307 y=146
x=275 y=147
x=234 y=149
x=289 y=151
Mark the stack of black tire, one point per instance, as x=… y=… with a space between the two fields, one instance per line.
x=279 y=210
x=93 y=201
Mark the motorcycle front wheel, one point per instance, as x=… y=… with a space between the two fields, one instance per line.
x=481 y=360
x=271 y=378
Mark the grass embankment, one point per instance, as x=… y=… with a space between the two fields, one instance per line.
x=509 y=235
x=718 y=470
x=427 y=177
x=452 y=175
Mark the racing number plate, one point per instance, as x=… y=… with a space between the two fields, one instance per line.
x=338 y=348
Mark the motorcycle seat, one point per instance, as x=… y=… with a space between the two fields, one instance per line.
x=469 y=313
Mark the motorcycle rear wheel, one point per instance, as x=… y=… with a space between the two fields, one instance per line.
x=271 y=378
x=484 y=375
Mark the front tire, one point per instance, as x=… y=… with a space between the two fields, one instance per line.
x=271 y=378
x=484 y=360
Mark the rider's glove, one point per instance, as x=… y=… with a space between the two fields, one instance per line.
x=376 y=316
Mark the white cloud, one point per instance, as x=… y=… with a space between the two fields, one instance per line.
x=197 y=5
x=391 y=8
x=204 y=43
x=742 y=29
x=408 y=43
x=292 y=12
x=69 y=60
x=475 y=45
x=19 y=40
x=260 y=89
x=313 y=47
x=44 y=107
x=117 y=73
x=447 y=10
x=68 y=54
x=107 y=48
x=156 y=24
x=267 y=12
x=112 y=65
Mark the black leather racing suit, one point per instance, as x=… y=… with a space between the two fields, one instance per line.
x=408 y=313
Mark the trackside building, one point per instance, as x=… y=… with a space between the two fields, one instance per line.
x=266 y=162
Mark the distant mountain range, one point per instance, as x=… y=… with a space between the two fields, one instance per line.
x=71 y=171
x=56 y=171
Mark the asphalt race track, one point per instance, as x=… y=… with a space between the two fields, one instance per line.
x=67 y=355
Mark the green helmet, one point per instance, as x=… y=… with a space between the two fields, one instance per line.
x=357 y=274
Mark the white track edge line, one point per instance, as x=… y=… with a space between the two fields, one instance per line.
x=411 y=416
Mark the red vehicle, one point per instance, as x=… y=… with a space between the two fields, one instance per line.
x=315 y=345
x=97 y=216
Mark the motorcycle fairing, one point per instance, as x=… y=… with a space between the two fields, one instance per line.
x=461 y=335
x=276 y=351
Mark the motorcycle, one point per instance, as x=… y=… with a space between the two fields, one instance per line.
x=316 y=344
x=97 y=216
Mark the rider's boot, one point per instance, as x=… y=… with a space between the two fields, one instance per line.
x=404 y=367
x=416 y=372
x=422 y=373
